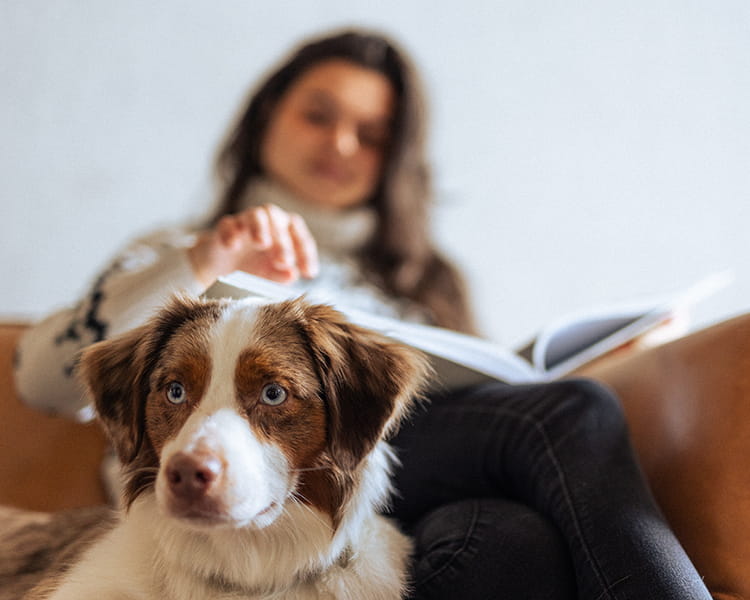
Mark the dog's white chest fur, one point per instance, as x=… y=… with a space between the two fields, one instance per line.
x=147 y=558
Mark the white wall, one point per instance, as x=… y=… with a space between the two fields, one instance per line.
x=585 y=152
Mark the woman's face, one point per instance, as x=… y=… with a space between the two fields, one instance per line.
x=329 y=133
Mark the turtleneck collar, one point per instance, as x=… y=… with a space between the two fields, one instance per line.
x=336 y=231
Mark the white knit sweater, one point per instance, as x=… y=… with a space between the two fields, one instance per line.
x=152 y=268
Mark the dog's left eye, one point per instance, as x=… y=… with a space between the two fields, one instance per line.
x=273 y=394
x=176 y=393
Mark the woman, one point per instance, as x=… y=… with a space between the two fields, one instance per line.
x=517 y=492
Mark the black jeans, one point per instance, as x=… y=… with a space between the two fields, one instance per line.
x=533 y=492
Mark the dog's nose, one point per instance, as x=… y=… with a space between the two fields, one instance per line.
x=191 y=475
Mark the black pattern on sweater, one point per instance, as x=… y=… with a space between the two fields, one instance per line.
x=91 y=323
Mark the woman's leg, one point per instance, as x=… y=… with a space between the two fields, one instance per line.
x=563 y=450
x=459 y=546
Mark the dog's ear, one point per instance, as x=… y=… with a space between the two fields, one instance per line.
x=369 y=382
x=113 y=372
x=116 y=372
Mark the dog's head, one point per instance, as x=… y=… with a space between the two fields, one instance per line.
x=233 y=409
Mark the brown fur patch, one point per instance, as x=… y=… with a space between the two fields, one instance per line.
x=185 y=360
x=298 y=425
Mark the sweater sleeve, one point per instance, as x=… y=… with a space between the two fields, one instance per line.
x=123 y=296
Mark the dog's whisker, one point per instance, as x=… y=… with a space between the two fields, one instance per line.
x=144 y=470
x=145 y=476
x=321 y=468
x=141 y=488
x=300 y=500
x=315 y=515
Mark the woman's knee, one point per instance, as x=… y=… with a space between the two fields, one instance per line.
x=587 y=402
x=487 y=548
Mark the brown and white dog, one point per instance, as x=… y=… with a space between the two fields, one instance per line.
x=252 y=437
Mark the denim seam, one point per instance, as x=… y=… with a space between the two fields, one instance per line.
x=456 y=553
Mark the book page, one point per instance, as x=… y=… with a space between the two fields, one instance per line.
x=571 y=342
x=484 y=360
x=573 y=346
x=569 y=336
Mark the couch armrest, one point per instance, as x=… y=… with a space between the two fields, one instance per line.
x=688 y=406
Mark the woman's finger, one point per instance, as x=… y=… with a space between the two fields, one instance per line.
x=259 y=226
x=229 y=231
x=305 y=247
x=282 y=245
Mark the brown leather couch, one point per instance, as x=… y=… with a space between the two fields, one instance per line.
x=687 y=403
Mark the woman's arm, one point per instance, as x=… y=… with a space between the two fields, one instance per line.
x=123 y=296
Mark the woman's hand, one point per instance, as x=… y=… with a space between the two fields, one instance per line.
x=263 y=240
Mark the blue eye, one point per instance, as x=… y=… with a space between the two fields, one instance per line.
x=176 y=393
x=273 y=394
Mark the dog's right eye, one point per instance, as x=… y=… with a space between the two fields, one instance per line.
x=273 y=394
x=176 y=393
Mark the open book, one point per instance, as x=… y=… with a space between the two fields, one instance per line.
x=459 y=360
